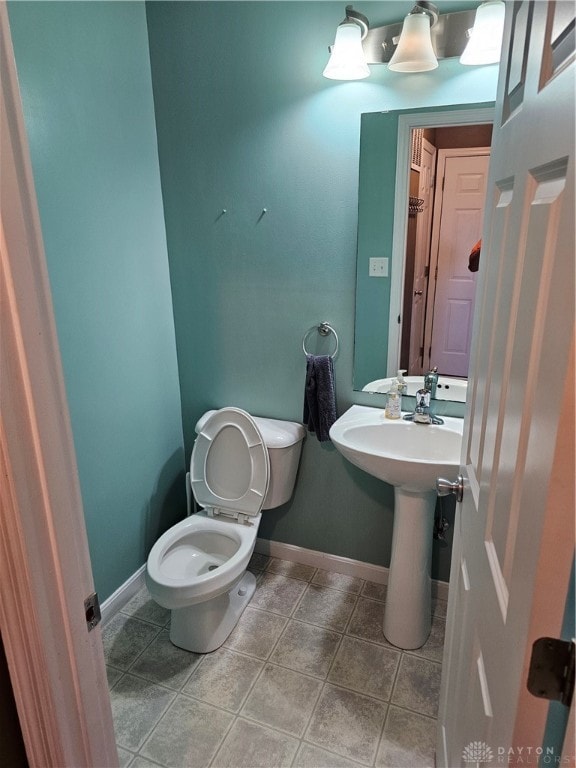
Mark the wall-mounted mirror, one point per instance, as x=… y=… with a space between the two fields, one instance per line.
x=421 y=195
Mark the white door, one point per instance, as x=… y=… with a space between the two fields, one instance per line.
x=422 y=257
x=459 y=213
x=515 y=527
x=56 y=664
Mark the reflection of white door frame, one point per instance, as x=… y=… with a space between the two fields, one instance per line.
x=438 y=235
x=56 y=665
x=421 y=281
x=403 y=152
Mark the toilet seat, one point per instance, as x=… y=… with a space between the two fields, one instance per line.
x=230 y=465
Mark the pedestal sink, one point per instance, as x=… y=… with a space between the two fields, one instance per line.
x=410 y=457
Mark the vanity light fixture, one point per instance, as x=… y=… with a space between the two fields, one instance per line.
x=485 y=40
x=417 y=43
x=347 y=60
x=415 y=52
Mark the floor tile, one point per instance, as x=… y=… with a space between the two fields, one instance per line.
x=113 y=675
x=347 y=723
x=433 y=648
x=249 y=745
x=188 y=735
x=256 y=633
x=408 y=740
x=367 y=621
x=293 y=570
x=325 y=607
x=277 y=593
x=141 y=762
x=375 y=591
x=338 y=581
x=223 y=679
x=283 y=699
x=164 y=663
x=137 y=705
x=125 y=638
x=365 y=667
x=310 y=756
x=141 y=606
x=439 y=607
x=258 y=562
x=417 y=685
x=306 y=648
x=124 y=757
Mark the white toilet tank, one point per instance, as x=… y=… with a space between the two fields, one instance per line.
x=283 y=440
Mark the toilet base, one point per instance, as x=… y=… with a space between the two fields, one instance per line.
x=203 y=627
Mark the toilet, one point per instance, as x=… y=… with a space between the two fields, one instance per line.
x=240 y=465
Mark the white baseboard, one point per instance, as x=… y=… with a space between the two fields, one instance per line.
x=368 y=571
x=123 y=595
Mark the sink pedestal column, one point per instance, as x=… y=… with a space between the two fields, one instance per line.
x=407 y=613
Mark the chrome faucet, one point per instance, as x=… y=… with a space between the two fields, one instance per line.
x=423 y=411
x=431 y=382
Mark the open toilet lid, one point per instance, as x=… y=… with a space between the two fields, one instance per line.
x=230 y=466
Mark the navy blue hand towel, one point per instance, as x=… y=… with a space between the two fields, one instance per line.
x=319 y=396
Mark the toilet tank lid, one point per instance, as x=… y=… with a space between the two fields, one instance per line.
x=276 y=433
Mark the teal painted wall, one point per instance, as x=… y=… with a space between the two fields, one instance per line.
x=246 y=121
x=85 y=80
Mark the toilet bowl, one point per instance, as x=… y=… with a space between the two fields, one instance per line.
x=240 y=465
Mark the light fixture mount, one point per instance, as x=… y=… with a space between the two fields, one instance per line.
x=357 y=18
x=422 y=6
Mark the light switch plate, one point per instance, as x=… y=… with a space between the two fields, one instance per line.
x=378 y=267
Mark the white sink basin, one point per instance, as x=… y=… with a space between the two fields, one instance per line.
x=410 y=457
x=399 y=452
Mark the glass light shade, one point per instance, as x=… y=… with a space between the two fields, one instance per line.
x=414 y=52
x=347 y=61
x=485 y=41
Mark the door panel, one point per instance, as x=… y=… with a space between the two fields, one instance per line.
x=523 y=331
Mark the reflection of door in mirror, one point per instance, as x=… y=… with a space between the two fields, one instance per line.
x=457 y=228
x=422 y=173
x=448 y=174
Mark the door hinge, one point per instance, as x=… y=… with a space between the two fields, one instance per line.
x=427 y=271
x=551 y=671
x=92 y=611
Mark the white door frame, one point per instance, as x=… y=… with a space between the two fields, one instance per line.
x=56 y=666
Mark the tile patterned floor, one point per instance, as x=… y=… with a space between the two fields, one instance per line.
x=306 y=679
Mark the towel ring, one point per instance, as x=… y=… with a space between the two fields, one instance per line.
x=323 y=329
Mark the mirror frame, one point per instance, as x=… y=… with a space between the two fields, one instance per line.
x=382 y=227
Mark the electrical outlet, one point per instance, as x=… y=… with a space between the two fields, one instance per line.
x=378 y=267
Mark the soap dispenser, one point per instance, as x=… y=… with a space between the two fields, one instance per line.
x=393 y=404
